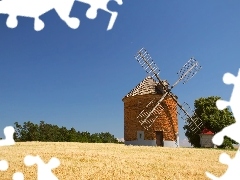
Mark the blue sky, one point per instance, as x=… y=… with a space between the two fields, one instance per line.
x=77 y=78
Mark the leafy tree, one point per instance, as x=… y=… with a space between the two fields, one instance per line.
x=107 y=138
x=213 y=119
x=95 y=138
x=17 y=133
x=33 y=132
x=52 y=133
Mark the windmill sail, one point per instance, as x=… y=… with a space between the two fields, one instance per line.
x=145 y=120
x=149 y=115
x=147 y=63
x=191 y=119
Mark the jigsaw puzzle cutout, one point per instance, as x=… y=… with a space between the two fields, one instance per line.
x=36 y=8
x=231 y=131
x=102 y=5
x=8 y=133
x=232 y=172
x=18 y=176
x=44 y=171
x=3 y=165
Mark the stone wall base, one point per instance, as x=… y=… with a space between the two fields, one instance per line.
x=151 y=143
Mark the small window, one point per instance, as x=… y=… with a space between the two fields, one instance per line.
x=140 y=135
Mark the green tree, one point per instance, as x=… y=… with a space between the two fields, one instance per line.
x=52 y=133
x=213 y=119
x=107 y=138
x=17 y=133
x=95 y=138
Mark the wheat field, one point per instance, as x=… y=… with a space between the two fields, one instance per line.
x=85 y=161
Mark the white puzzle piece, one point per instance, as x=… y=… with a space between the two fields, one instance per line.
x=36 y=8
x=101 y=4
x=232 y=131
x=8 y=132
x=3 y=165
x=18 y=176
x=44 y=170
x=232 y=172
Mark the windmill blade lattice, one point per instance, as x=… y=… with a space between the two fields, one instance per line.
x=147 y=120
x=147 y=63
x=195 y=124
x=154 y=108
x=189 y=70
x=191 y=119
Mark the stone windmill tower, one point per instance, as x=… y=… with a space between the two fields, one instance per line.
x=151 y=110
x=164 y=130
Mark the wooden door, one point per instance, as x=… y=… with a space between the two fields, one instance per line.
x=159 y=138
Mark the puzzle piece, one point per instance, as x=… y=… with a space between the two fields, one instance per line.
x=36 y=8
x=44 y=170
x=228 y=79
x=232 y=131
x=101 y=4
x=18 y=176
x=232 y=172
x=3 y=165
x=8 y=132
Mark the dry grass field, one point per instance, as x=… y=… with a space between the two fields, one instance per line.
x=114 y=161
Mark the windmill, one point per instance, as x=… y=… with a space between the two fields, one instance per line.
x=153 y=109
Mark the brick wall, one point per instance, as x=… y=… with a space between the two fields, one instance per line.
x=167 y=120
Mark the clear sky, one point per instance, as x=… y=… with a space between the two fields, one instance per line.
x=77 y=78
